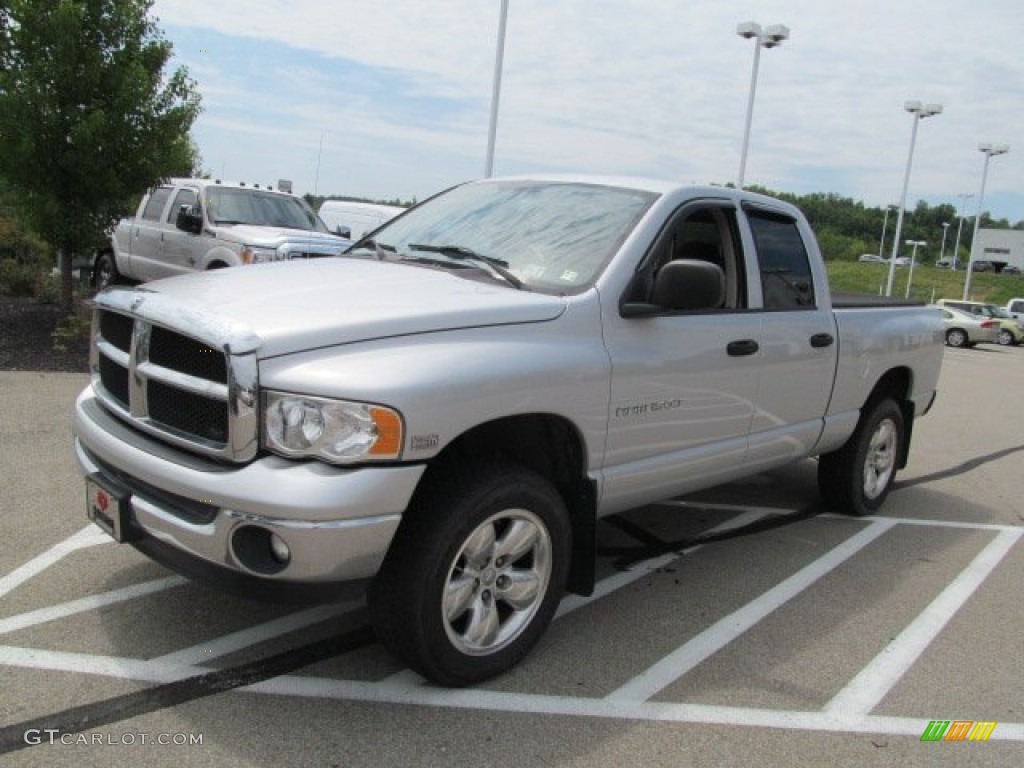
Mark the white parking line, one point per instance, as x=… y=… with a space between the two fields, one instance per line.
x=869 y=687
x=413 y=691
x=638 y=570
x=250 y=636
x=425 y=695
x=89 y=536
x=848 y=711
x=70 y=608
x=118 y=667
x=727 y=629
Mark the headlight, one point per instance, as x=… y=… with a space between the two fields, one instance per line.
x=337 y=431
x=251 y=255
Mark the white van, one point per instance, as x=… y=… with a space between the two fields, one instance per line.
x=353 y=220
x=1016 y=308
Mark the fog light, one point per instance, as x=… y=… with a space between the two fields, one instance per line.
x=259 y=550
x=279 y=550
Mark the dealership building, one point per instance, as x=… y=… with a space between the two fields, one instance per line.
x=1006 y=245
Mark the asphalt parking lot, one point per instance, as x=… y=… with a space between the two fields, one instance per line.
x=741 y=626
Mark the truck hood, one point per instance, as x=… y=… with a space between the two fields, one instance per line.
x=270 y=237
x=288 y=307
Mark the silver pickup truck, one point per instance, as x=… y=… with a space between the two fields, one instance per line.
x=189 y=225
x=440 y=417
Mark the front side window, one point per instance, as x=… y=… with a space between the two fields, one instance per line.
x=699 y=233
x=786 y=281
x=184 y=197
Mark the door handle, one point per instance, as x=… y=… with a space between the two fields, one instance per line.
x=741 y=348
x=822 y=340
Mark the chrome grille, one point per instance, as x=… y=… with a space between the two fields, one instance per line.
x=194 y=389
x=115 y=380
x=180 y=353
x=309 y=255
x=188 y=413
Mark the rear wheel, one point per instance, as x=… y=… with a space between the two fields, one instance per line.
x=1006 y=338
x=955 y=337
x=857 y=478
x=474 y=574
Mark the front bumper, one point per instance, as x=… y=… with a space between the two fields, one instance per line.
x=337 y=523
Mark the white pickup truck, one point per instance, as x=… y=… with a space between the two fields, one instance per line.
x=441 y=417
x=188 y=225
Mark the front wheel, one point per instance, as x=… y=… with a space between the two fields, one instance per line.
x=857 y=478
x=1006 y=338
x=955 y=337
x=474 y=574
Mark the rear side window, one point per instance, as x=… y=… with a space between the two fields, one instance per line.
x=786 y=281
x=156 y=203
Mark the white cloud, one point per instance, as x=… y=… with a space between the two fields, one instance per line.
x=655 y=87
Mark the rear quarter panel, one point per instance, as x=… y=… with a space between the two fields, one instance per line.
x=874 y=340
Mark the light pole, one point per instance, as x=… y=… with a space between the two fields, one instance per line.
x=499 y=57
x=959 y=228
x=942 y=251
x=913 y=258
x=989 y=150
x=319 y=154
x=885 y=222
x=768 y=37
x=920 y=112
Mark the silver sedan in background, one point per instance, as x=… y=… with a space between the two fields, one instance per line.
x=964 y=329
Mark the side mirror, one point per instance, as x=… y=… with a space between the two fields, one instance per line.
x=343 y=231
x=683 y=285
x=189 y=220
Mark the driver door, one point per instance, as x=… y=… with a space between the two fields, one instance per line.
x=683 y=383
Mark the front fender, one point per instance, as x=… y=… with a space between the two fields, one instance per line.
x=219 y=255
x=447 y=383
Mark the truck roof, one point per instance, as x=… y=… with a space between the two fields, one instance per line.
x=664 y=187
x=225 y=183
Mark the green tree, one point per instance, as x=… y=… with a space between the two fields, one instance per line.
x=87 y=118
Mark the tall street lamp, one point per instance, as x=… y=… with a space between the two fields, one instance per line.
x=499 y=57
x=945 y=230
x=913 y=259
x=885 y=222
x=959 y=228
x=920 y=112
x=990 y=151
x=768 y=37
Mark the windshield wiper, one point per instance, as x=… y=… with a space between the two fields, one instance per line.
x=370 y=244
x=498 y=267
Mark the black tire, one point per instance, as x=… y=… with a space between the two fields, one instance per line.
x=956 y=337
x=1006 y=338
x=104 y=271
x=856 y=479
x=474 y=575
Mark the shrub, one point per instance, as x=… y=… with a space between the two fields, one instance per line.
x=18 y=279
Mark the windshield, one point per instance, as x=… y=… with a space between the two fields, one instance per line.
x=229 y=205
x=551 y=236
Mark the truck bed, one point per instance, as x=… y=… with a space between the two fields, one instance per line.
x=841 y=300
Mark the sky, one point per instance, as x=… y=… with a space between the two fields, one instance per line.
x=392 y=99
